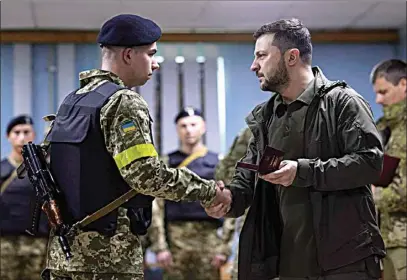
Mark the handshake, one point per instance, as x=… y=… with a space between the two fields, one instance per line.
x=222 y=203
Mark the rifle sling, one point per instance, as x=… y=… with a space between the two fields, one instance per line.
x=198 y=154
x=7 y=182
x=128 y=195
x=106 y=209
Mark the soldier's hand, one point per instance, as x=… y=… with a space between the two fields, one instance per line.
x=164 y=258
x=221 y=204
x=219 y=260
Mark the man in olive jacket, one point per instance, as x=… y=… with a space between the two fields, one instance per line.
x=313 y=218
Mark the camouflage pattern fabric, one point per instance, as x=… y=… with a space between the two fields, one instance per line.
x=392 y=201
x=395 y=264
x=156 y=231
x=225 y=171
x=22 y=257
x=226 y=168
x=192 y=245
x=147 y=174
x=228 y=231
x=239 y=226
x=139 y=165
x=91 y=276
x=96 y=253
x=145 y=242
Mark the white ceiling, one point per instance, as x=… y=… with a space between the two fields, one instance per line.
x=202 y=16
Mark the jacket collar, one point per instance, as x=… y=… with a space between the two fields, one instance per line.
x=264 y=111
x=88 y=76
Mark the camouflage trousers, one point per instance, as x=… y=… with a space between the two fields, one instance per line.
x=192 y=245
x=239 y=225
x=55 y=275
x=235 y=265
x=22 y=257
x=395 y=264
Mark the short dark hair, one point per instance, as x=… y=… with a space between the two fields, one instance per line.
x=393 y=70
x=289 y=34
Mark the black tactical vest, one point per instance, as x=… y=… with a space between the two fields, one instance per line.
x=83 y=168
x=17 y=204
x=204 y=167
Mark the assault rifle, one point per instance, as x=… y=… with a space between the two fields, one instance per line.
x=48 y=194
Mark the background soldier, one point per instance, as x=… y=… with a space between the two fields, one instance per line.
x=225 y=171
x=22 y=256
x=389 y=79
x=103 y=131
x=182 y=234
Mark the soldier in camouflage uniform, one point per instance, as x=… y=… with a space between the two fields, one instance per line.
x=183 y=236
x=389 y=81
x=128 y=46
x=21 y=256
x=225 y=171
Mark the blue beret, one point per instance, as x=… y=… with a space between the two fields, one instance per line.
x=187 y=112
x=128 y=30
x=22 y=119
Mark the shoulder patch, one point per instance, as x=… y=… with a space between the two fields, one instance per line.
x=128 y=126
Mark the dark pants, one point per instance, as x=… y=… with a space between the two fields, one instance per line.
x=153 y=274
x=344 y=276
x=368 y=269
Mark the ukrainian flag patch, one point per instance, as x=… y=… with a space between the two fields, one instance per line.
x=128 y=126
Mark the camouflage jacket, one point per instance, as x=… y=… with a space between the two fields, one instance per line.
x=158 y=232
x=139 y=165
x=226 y=168
x=392 y=200
x=224 y=171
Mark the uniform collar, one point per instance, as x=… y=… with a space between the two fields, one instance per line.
x=305 y=97
x=85 y=77
x=394 y=114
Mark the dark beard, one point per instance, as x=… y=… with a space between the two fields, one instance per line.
x=279 y=81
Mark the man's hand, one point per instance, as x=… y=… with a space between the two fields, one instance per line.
x=284 y=176
x=221 y=205
x=219 y=260
x=164 y=258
